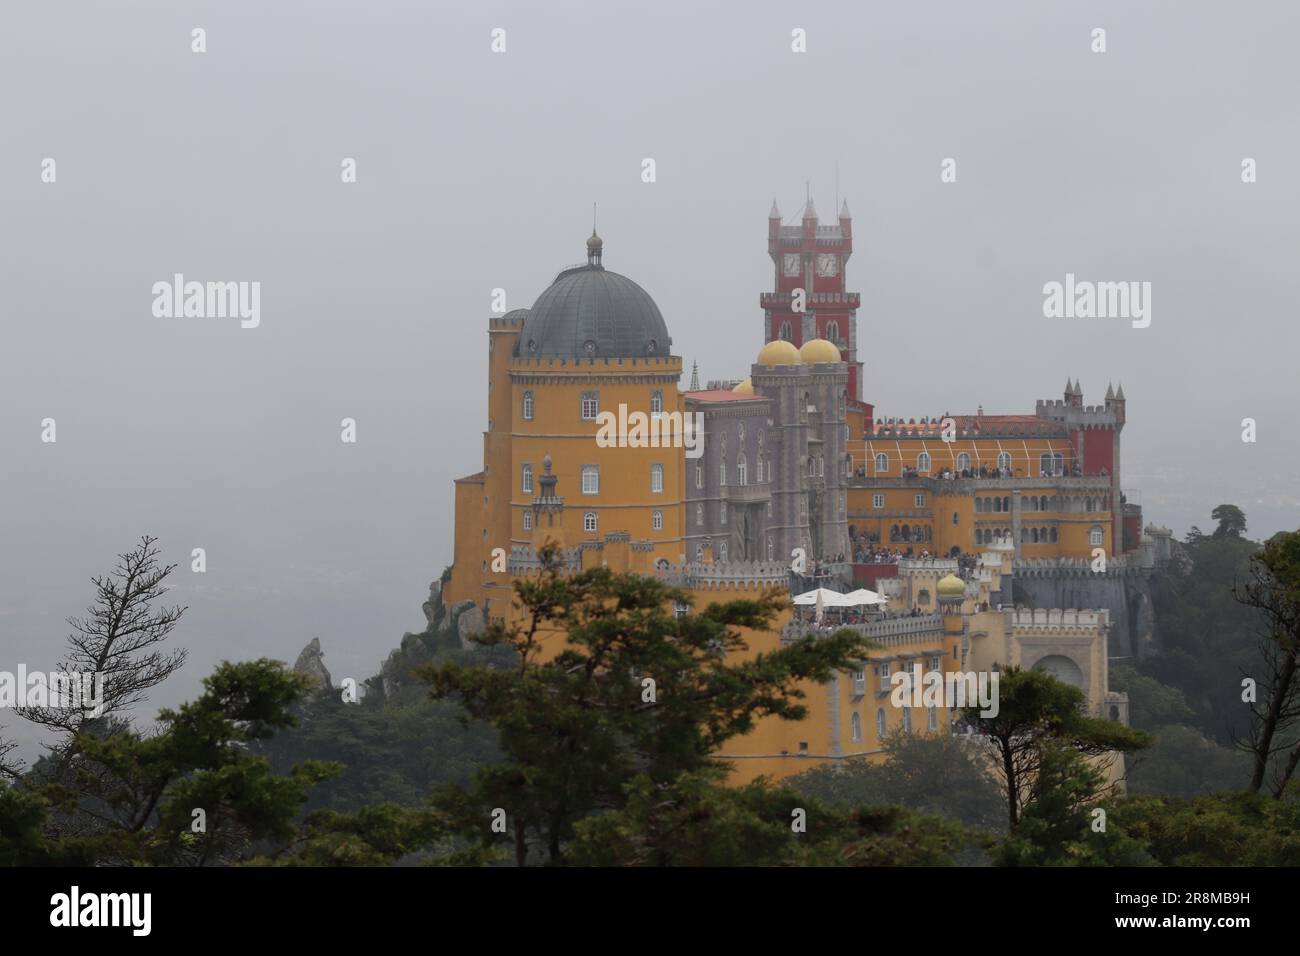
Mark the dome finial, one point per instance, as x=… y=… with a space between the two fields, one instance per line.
x=595 y=244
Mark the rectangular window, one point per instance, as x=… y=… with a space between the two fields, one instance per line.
x=656 y=402
x=528 y=480
x=528 y=521
x=877 y=501
x=657 y=479
x=590 y=480
x=590 y=406
x=920 y=501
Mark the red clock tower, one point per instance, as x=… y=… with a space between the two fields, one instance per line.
x=809 y=301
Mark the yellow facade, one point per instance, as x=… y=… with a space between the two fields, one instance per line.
x=548 y=476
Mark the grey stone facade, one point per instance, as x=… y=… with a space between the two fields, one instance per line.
x=793 y=434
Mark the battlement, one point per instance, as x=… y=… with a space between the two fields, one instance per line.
x=667 y=363
x=926 y=427
x=1058 y=410
x=1060 y=617
x=737 y=575
x=511 y=321
x=886 y=632
x=783 y=300
x=1116 y=566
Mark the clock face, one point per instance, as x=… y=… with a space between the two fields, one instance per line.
x=828 y=264
x=792 y=263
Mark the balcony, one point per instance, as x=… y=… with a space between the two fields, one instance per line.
x=747 y=494
x=783 y=300
x=1097 y=484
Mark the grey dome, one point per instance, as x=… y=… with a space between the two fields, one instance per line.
x=590 y=312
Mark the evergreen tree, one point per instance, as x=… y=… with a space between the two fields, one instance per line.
x=610 y=685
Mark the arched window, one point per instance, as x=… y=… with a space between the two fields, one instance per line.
x=528 y=521
x=699 y=515
x=771 y=550
x=963 y=462
x=699 y=475
x=1096 y=537
x=1006 y=502
x=590 y=480
x=833 y=331
x=1045 y=463
x=880 y=724
x=882 y=464
x=657 y=521
x=1058 y=464
x=699 y=552
x=1053 y=535
x=857 y=726
x=656 y=402
x=758 y=467
x=528 y=406
x=589 y=521
x=722 y=512
x=785 y=331
x=997 y=504
x=923 y=461
x=722 y=472
x=722 y=550
x=742 y=469
x=1004 y=461
x=526 y=482
x=657 y=479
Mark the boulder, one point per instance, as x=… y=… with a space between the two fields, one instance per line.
x=311 y=662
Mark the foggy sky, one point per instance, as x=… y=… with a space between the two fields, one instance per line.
x=478 y=171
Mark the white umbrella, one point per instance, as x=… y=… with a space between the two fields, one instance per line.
x=863 y=596
x=825 y=596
